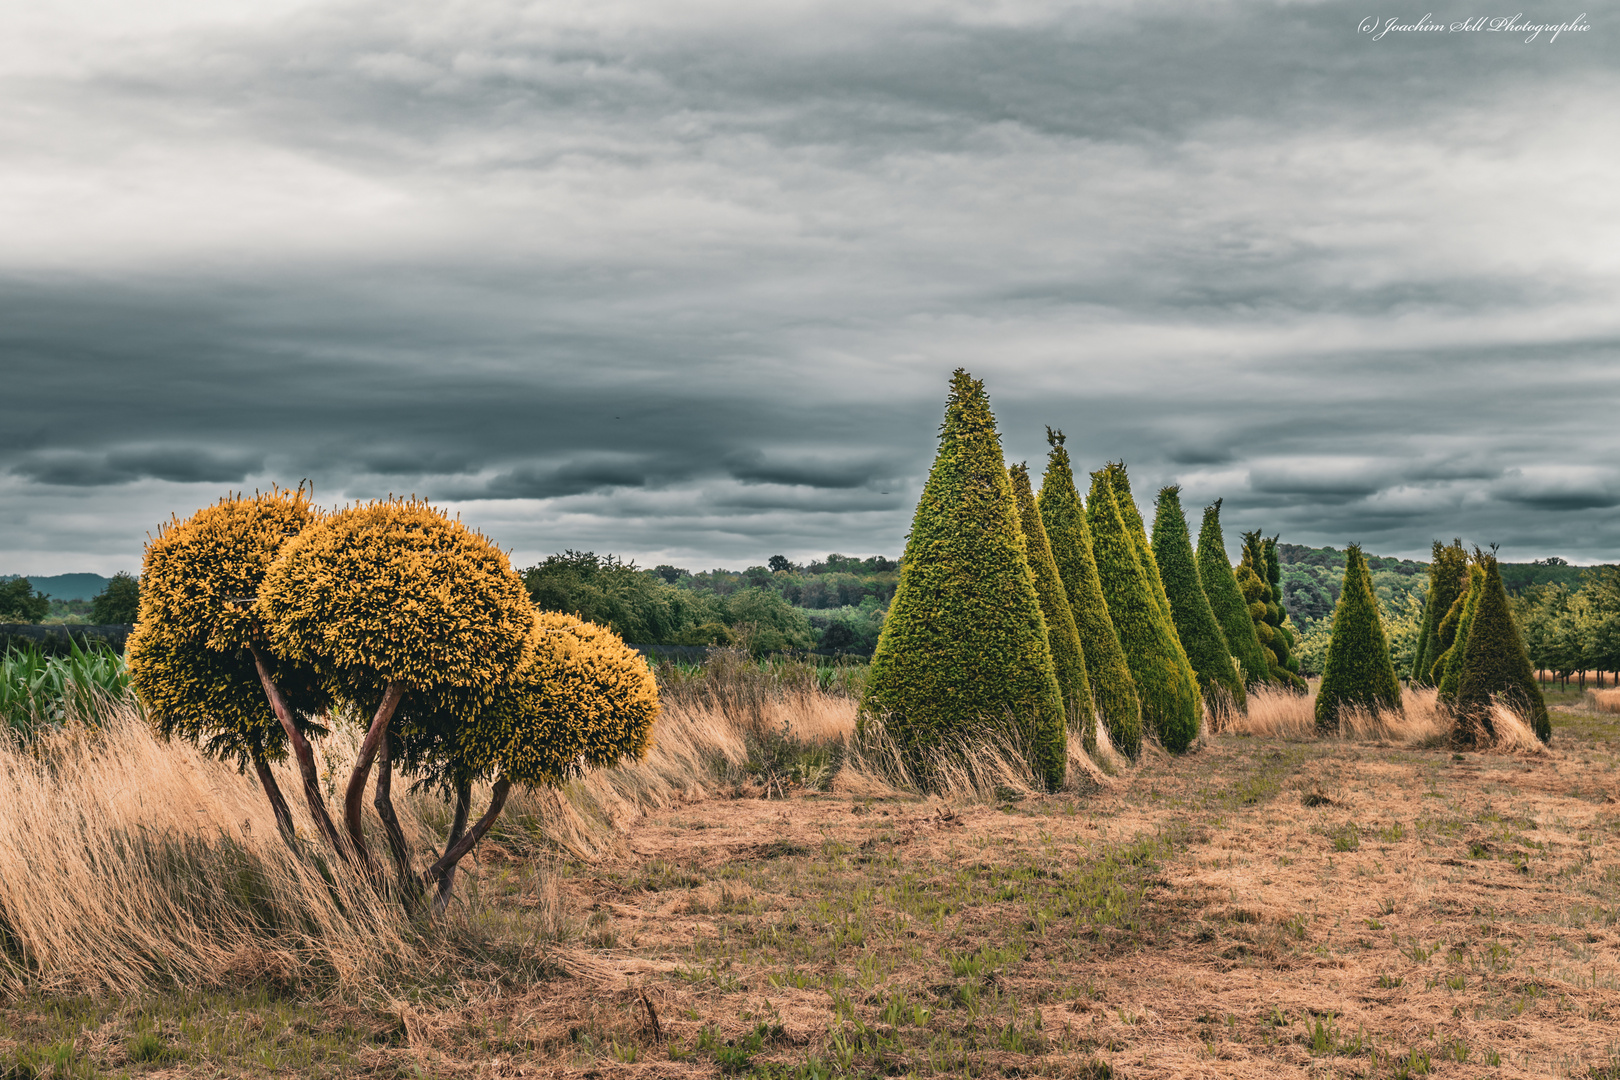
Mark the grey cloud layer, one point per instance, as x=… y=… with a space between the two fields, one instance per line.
x=686 y=283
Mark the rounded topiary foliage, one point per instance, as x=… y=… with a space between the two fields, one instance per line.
x=1194 y=619
x=1165 y=683
x=964 y=644
x=1495 y=666
x=1358 y=670
x=1061 y=635
x=397 y=592
x=1063 y=515
x=1226 y=599
x=201 y=576
x=386 y=599
x=1448 y=578
x=583 y=699
x=196 y=653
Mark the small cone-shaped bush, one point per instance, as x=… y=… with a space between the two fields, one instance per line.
x=964 y=644
x=1448 y=668
x=1448 y=576
x=1165 y=683
x=1358 y=670
x=1132 y=517
x=1226 y=599
x=1195 y=623
x=1258 y=577
x=1495 y=664
x=1112 y=689
x=1067 y=655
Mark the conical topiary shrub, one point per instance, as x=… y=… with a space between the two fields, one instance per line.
x=1448 y=576
x=964 y=644
x=1358 y=670
x=1112 y=689
x=1194 y=620
x=1067 y=654
x=1132 y=517
x=1495 y=664
x=1257 y=577
x=1226 y=599
x=1447 y=670
x=1165 y=683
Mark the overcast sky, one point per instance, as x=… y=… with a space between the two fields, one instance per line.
x=686 y=281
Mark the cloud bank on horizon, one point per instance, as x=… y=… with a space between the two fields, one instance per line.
x=685 y=282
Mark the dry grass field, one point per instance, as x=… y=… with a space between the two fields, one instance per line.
x=1270 y=904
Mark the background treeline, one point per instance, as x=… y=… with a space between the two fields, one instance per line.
x=834 y=605
x=1570 y=630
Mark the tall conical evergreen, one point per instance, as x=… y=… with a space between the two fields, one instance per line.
x=1068 y=655
x=1285 y=654
x=1448 y=575
x=1112 y=689
x=1132 y=517
x=1495 y=664
x=1194 y=620
x=1226 y=599
x=1358 y=669
x=964 y=644
x=1448 y=668
x=1165 y=683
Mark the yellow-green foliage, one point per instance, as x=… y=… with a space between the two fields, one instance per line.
x=397 y=591
x=214 y=698
x=1448 y=576
x=1165 y=683
x=188 y=656
x=200 y=575
x=964 y=644
x=1061 y=634
x=582 y=699
x=1132 y=517
x=1112 y=689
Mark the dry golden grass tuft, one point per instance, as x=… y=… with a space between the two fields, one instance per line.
x=1604 y=701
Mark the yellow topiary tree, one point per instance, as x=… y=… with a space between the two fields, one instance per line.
x=393 y=598
x=198 y=657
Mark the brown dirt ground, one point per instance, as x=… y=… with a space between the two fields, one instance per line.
x=1308 y=908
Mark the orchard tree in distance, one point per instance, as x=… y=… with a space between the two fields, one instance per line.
x=118 y=603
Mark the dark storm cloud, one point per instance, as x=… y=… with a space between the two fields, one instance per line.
x=687 y=282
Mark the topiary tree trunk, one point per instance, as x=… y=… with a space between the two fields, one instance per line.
x=964 y=643
x=1226 y=600
x=1190 y=610
x=1358 y=670
x=1165 y=683
x=1067 y=655
x=1064 y=516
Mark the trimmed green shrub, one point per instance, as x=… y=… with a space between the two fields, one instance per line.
x=1495 y=664
x=964 y=644
x=1448 y=577
x=1061 y=635
x=1113 y=690
x=1132 y=517
x=1165 y=683
x=1448 y=668
x=1358 y=669
x=1194 y=620
x=1226 y=599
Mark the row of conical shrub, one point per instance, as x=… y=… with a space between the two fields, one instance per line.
x=1048 y=614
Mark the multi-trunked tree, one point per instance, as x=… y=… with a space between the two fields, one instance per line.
x=262 y=616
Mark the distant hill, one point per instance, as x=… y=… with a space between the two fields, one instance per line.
x=65 y=586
